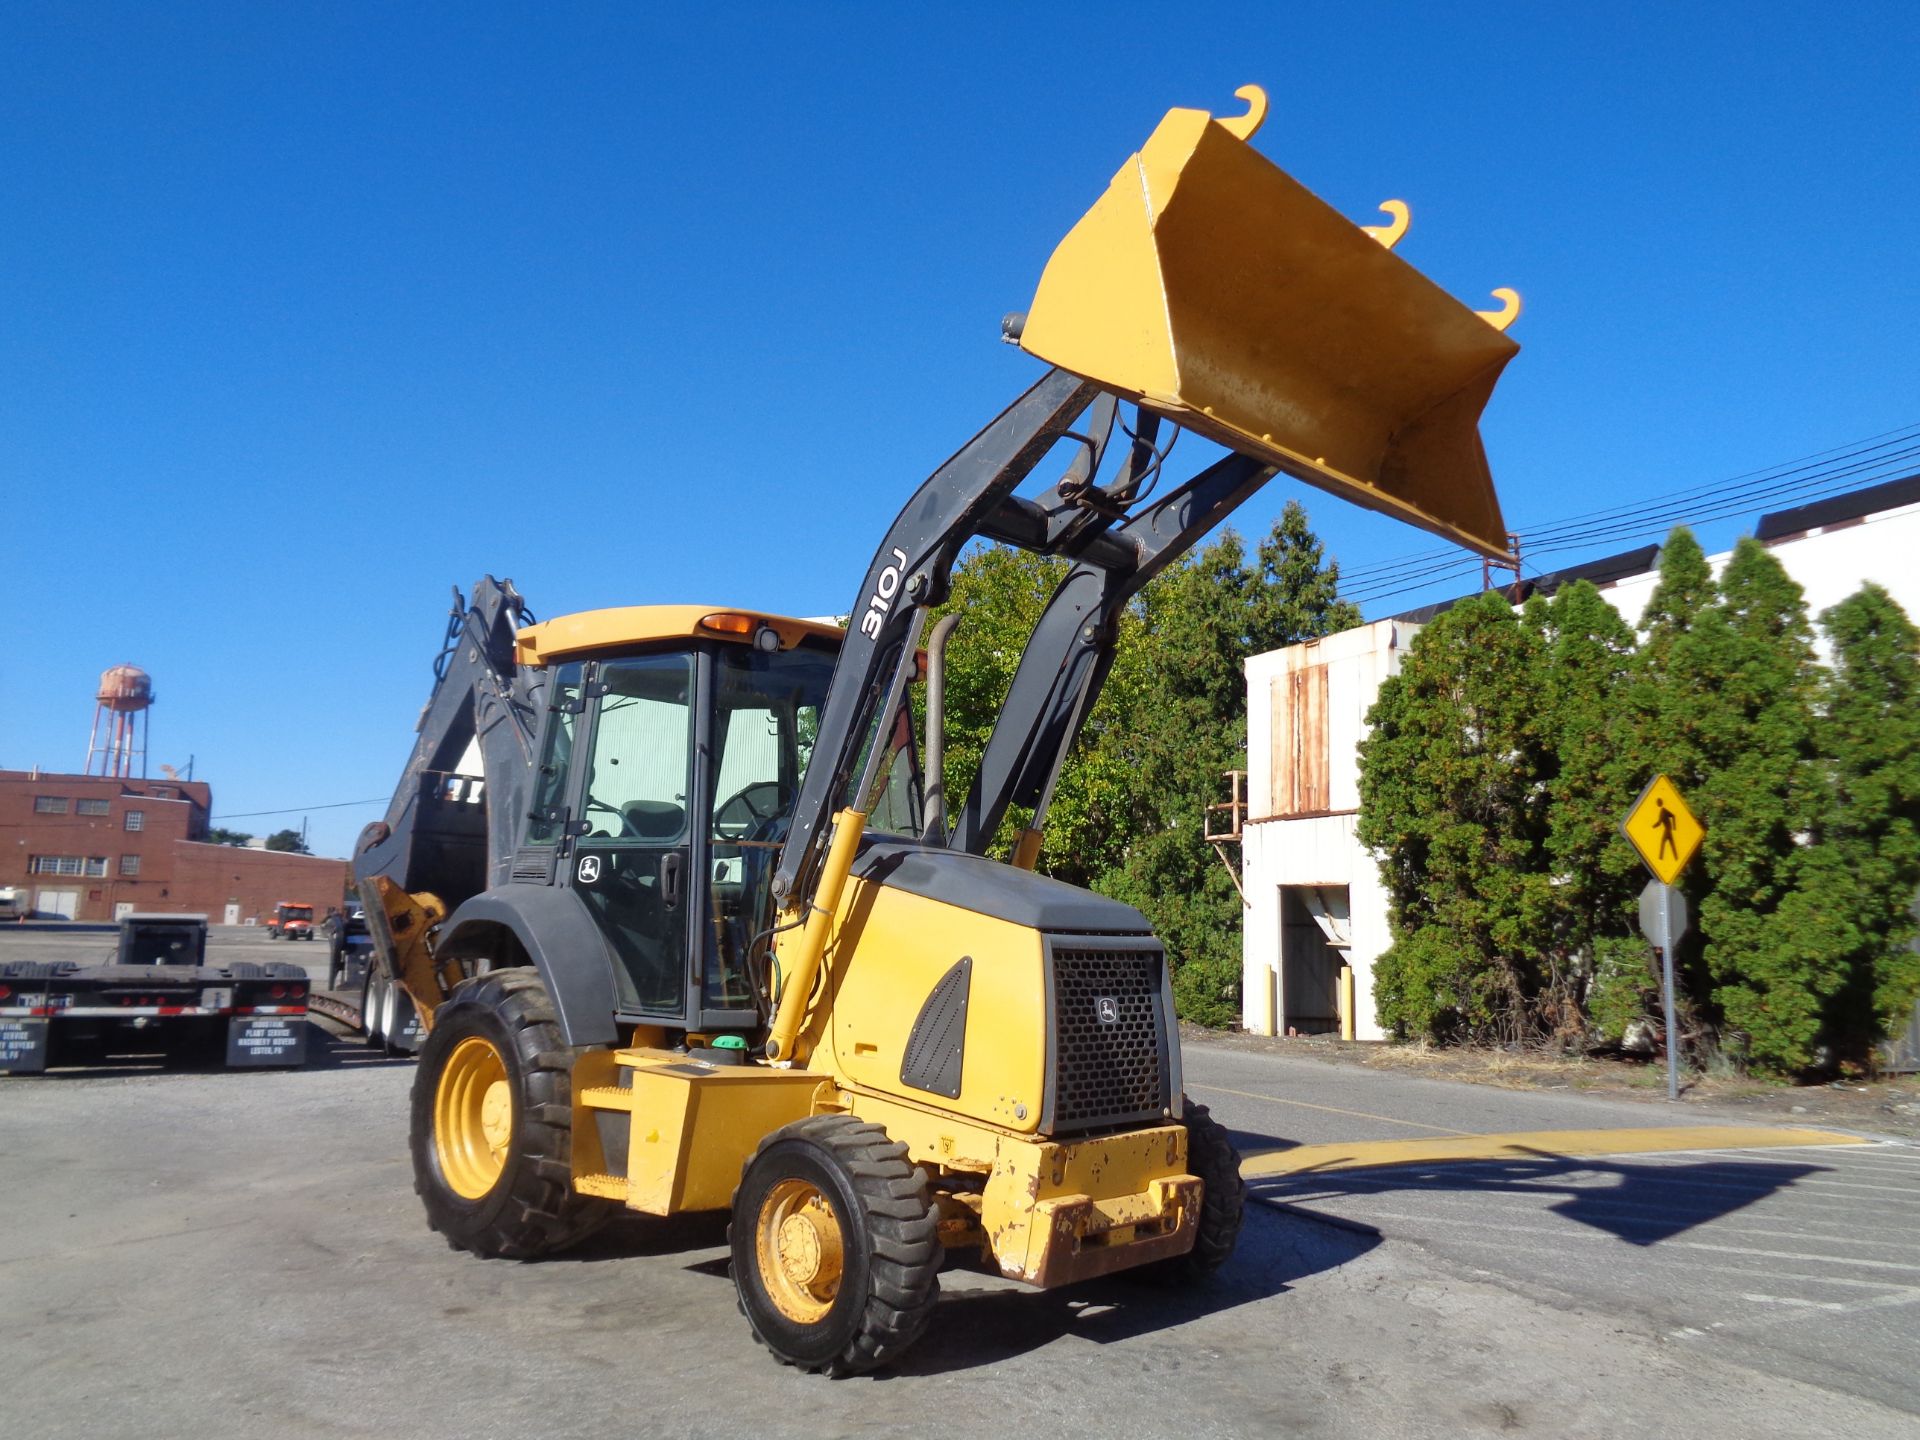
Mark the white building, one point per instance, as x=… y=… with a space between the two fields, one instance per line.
x=1314 y=898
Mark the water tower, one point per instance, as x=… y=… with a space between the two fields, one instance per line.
x=120 y=722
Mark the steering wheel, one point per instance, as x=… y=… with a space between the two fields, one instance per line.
x=627 y=829
x=747 y=810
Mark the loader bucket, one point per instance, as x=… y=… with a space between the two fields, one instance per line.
x=1210 y=286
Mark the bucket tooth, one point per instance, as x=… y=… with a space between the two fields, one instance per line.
x=1508 y=312
x=1211 y=287
x=1400 y=217
x=1245 y=127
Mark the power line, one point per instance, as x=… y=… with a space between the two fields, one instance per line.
x=301 y=809
x=1772 y=483
x=1840 y=481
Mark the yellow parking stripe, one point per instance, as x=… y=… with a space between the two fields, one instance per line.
x=1532 y=1145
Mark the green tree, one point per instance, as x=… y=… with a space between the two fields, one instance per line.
x=218 y=836
x=288 y=841
x=1200 y=621
x=1867 y=828
x=1126 y=817
x=1749 y=660
x=1454 y=798
x=1654 y=730
x=999 y=594
x=1588 y=658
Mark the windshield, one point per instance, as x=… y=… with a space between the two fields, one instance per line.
x=766 y=720
x=297 y=912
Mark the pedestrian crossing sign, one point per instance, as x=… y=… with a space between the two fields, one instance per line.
x=1663 y=830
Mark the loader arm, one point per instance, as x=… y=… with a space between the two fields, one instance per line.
x=1216 y=294
x=911 y=570
x=1071 y=650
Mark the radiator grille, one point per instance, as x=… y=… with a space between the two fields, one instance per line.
x=1107 y=1071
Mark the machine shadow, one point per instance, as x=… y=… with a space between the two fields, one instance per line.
x=973 y=1327
x=1640 y=1204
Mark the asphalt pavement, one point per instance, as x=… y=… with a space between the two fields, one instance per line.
x=1799 y=1261
x=230 y=1254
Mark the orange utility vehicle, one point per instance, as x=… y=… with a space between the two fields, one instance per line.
x=291 y=920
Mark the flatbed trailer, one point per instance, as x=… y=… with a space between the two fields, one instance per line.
x=51 y=1008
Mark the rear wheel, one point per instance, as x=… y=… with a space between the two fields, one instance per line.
x=835 y=1254
x=492 y=1133
x=372 y=996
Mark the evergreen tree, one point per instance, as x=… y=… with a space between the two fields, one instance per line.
x=1201 y=620
x=1867 y=829
x=1653 y=731
x=1748 y=661
x=1127 y=816
x=1588 y=658
x=1454 y=798
x=999 y=594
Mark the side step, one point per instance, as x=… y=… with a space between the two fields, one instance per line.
x=611 y=1108
x=702 y=1122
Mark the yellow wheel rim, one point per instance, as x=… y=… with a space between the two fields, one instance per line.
x=798 y=1244
x=473 y=1118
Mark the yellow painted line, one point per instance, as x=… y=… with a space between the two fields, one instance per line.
x=1328 y=1109
x=1532 y=1145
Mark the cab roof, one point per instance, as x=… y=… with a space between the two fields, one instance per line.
x=628 y=625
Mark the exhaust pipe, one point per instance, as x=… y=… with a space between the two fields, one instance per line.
x=936 y=746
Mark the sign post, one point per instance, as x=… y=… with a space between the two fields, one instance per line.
x=1667 y=836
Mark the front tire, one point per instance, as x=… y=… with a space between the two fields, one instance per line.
x=492 y=1135
x=1211 y=1156
x=835 y=1253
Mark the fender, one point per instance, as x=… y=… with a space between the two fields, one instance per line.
x=563 y=943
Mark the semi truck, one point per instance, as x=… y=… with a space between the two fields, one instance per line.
x=155 y=992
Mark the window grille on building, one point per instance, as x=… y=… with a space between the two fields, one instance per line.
x=49 y=804
x=92 y=807
x=96 y=865
x=129 y=864
x=54 y=865
x=136 y=819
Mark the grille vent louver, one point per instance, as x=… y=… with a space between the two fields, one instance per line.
x=1107 y=1072
x=534 y=867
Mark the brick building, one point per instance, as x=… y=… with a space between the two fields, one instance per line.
x=91 y=848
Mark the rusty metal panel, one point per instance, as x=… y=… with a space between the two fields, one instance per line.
x=1301 y=754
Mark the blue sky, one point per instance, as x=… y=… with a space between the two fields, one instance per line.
x=308 y=314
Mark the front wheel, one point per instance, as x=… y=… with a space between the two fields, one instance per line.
x=492 y=1135
x=835 y=1253
x=1211 y=1156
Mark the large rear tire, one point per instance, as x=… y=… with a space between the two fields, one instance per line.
x=492 y=1135
x=372 y=1002
x=836 y=1257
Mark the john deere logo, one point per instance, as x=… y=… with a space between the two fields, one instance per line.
x=1107 y=1010
x=589 y=869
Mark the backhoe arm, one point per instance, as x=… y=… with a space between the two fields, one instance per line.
x=478 y=695
x=446 y=835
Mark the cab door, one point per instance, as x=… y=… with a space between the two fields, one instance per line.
x=632 y=859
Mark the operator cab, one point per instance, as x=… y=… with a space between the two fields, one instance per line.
x=665 y=781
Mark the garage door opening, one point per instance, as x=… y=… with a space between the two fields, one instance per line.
x=1314 y=938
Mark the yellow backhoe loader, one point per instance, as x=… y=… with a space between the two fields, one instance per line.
x=704 y=938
